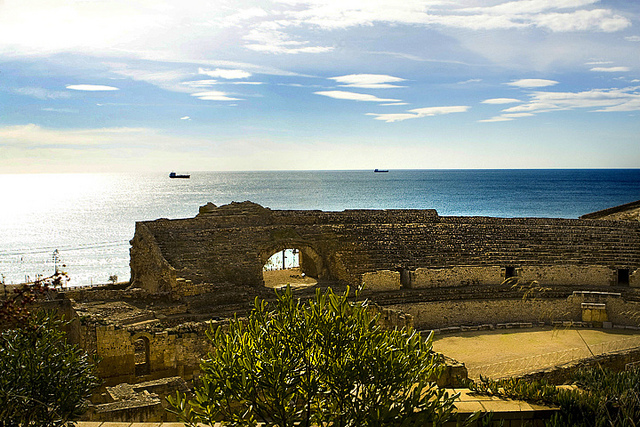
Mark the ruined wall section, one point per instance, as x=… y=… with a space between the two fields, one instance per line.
x=229 y=244
x=149 y=268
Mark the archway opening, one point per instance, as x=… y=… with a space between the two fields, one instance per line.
x=287 y=266
x=141 y=356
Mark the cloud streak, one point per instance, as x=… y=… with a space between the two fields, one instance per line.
x=354 y=96
x=596 y=100
x=368 y=81
x=417 y=113
x=611 y=69
x=214 y=95
x=92 y=88
x=529 y=83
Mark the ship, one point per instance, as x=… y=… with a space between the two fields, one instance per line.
x=380 y=170
x=175 y=175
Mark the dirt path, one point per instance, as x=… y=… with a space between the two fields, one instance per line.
x=291 y=276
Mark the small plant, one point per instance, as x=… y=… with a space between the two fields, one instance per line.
x=113 y=279
x=15 y=309
x=602 y=397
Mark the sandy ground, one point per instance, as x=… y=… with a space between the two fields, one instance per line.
x=291 y=276
x=485 y=347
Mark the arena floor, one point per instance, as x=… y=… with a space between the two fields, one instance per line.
x=531 y=349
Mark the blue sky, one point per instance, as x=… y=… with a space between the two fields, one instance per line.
x=154 y=85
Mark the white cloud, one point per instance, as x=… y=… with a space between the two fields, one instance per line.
x=395 y=103
x=92 y=88
x=60 y=110
x=353 y=96
x=518 y=115
x=417 y=113
x=214 y=95
x=41 y=93
x=185 y=118
x=633 y=38
x=470 y=81
x=368 y=81
x=225 y=74
x=496 y=119
x=501 y=101
x=611 y=69
x=526 y=83
x=582 y=20
x=599 y=100
x=200 y=83
x=268 y=38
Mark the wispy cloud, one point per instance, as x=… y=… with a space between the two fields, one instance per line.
x=60 y=110
x=353 y=96
x=496 y=119
x=417 y=113
x=528 y=83
x=268 y=37
x=214 y=95
x=632 y=39
x=599 y=100
x=469 y=81
x=368 y=81
x=611 y=69
x=41 y=93
x=92 y=88
x=501 y=101
x=225 y=73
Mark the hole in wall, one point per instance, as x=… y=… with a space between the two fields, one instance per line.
x=509 y=272
x=623 y=277
x=286 y=266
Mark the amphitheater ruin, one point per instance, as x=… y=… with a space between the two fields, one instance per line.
x=434 y=272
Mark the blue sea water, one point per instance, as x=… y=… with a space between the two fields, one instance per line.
x=89 y=218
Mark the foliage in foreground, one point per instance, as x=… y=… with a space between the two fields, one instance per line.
x=323 y=362
x=45 y=381
x=603 y=397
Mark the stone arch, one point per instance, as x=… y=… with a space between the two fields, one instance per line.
x=141 y=343
x=311 y=262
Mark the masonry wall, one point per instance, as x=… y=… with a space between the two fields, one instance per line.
x=171 y=352
x=442 y=314
x=229 y=245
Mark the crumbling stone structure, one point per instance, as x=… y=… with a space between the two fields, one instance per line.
x=382 y=249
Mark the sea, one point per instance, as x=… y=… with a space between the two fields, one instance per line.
x=82 y=223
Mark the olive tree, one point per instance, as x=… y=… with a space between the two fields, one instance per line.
x=325 y=361
x=44 y=380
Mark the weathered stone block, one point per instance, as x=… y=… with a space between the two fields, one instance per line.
x=383 y=280
x=455 y=276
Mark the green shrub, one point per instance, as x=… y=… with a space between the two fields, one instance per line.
x=603 y=397
x=45 y=380
x=323 y=362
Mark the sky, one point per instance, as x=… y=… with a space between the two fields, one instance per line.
x=215 y=85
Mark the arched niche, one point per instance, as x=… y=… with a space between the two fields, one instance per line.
x=142 y=353
x=311 y=264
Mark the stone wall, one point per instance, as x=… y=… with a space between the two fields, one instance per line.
x=229 y=244
x=443 y=314
x=456 y=276
x=381 y=280
x=172 y=352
